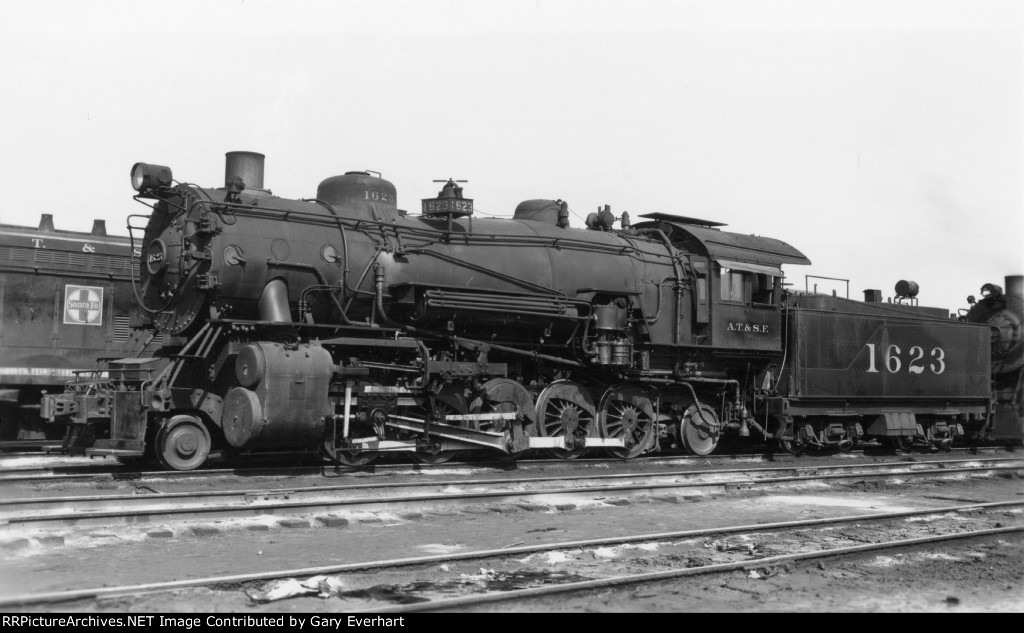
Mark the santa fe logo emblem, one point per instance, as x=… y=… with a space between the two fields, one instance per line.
x=83 y=305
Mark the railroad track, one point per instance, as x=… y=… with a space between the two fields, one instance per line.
x=192 y=505
x=28 y=447
x=803 y=536
x=119 y=472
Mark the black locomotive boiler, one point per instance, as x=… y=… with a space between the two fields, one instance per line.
x=343 y=323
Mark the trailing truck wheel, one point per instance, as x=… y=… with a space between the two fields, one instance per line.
x=699 y=429
x=182 y=443
x=786 y=446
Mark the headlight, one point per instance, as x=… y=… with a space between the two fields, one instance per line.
x=146 y=177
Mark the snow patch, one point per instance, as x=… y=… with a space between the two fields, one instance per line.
x=50 y=461
x=886 y=561
x=940 y=556
x=647 y=547
x=441 y=548
x=484 y=576
x=461 y=472
x=925 y=519
x=876 y=503
x=605 y=552
x=554 y=500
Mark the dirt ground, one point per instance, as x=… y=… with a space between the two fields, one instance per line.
x=979 y=575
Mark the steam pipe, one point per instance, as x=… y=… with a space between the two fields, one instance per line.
x=273 y=302
x=323 y=282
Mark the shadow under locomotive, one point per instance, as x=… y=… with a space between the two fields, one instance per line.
x=346 y=324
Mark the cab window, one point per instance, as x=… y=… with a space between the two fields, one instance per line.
x=762 y=289
x=732 y=282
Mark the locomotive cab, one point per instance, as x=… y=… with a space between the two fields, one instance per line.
x=735 y=281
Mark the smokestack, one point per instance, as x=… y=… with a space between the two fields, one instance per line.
x=1014 y=285
x=46 y=222
x=245 y=165
x=99 y=227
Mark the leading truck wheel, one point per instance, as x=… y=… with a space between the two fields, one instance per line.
x=347 y=457
x=447 y=402
x=182 y=443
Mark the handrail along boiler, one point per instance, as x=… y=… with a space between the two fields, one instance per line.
x=343 y=323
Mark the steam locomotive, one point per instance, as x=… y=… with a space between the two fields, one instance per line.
x=1003 y=312
x=65 y=300
x=345 y=324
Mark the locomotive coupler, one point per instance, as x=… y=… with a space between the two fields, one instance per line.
x=60 y=405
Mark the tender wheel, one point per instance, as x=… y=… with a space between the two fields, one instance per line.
x=850 y=441
x=699 y=429
x=565 y=409
x=626 y=412
x=786 y=446
x=183 y=443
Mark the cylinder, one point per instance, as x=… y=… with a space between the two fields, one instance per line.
x=250 y=365
x=288 y=406
x=245 y=165
x=1014 y=285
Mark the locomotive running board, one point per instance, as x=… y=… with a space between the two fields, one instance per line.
x=457 y=433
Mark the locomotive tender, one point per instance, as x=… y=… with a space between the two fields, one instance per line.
x=65 y=300
x=343 y=323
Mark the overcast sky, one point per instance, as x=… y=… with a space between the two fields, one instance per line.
x=883 y=140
